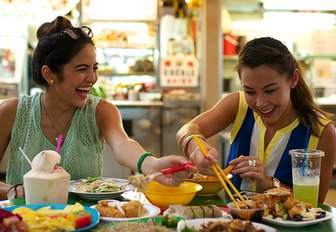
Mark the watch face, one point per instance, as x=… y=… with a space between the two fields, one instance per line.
x=276 y=183
x=11 y=194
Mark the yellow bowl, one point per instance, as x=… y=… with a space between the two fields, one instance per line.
x=210 y=187
x=163 y=196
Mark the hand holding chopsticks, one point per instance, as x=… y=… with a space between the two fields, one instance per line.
x=168 y=171
x=220 y=175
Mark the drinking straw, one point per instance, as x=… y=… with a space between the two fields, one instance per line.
x=26 y=157
x=59 y=143
x=305 y=151
x=220 y=175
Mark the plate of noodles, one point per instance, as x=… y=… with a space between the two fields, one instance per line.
x=98 y=188
x=112 y=211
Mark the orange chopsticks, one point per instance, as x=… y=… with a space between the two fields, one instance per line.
x=220 y=175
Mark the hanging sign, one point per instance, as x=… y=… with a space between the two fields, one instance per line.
x=181 y=71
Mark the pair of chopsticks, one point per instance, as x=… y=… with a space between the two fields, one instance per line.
x=168 y=171
x=220 y=175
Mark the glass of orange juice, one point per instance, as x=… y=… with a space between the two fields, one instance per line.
x=306 y=166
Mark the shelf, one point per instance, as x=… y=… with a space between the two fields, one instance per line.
x=230 y=57
x=91 y=20
x=122 y=45
x=126 y=74
x=311 y=57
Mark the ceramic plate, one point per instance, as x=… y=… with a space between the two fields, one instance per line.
x=196 y=224
x=157 y=220
x=152 y=211
x=101 y=195
x=289 y=223
x=94 y=213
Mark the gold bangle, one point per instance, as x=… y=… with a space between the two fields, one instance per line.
x=182 y=143
x=186 y=139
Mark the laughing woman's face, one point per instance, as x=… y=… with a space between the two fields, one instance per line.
x=79 y=75
x=267 y=92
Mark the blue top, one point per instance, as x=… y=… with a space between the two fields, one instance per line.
x=247 y=138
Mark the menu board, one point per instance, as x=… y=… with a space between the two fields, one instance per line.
x=178 y=71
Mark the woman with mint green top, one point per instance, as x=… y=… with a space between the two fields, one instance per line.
x=81 y=150
x=269 y=117
x=64 y=63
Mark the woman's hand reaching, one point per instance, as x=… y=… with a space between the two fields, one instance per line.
x=175 y=178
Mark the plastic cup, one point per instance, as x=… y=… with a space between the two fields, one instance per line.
x=306 y=167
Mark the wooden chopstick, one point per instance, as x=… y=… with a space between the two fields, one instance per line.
x=217 y=172
x=223 y=173
x=231 y=185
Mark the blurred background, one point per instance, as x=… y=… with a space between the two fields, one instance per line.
x=162 y=62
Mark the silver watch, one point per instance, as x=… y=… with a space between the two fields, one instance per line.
x=276 y=182
x=12 y=192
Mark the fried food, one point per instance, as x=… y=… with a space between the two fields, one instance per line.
x=282 y=204
x=233 y=225
x=133 y=209
x=139 y=181
x=106 y=210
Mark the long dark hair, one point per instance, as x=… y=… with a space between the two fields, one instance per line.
x=54 y=49
x=272 y=52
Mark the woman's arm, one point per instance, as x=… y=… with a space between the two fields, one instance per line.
x=328 y=145
x=214 y=120
x=207 y=124
x=7 y=116
x=128 y=152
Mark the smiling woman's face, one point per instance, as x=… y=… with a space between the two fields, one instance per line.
x=267 y=92
x=79 y=75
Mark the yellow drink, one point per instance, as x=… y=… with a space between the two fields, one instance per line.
x=306 y=192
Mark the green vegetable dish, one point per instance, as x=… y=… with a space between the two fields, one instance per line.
x=95 y=185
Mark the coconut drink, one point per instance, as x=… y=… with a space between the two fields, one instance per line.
x=46 y=182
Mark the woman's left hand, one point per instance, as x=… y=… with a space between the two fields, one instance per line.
x=251 y=167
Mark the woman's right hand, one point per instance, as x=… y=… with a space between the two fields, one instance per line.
x=204 y=164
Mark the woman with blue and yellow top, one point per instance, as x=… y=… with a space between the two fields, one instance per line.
x=269 y=117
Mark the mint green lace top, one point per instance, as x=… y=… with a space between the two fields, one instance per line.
x=81 y=151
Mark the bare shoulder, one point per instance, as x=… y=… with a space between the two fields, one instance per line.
x=9 y=106
x=329 y=131
x=7 y=115
x=328 y=135
x=229 y=99
x=230 y=103
x=106 y=109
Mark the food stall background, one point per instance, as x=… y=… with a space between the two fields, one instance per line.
x=141 y=48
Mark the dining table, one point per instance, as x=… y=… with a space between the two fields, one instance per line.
x=220 y=199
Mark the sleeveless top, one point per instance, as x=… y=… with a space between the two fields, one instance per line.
x=81 y=151
x=247 y=138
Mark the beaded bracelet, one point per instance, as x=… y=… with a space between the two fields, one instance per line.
x=142 y=158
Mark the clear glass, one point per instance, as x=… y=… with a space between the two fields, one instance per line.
x=306 y=167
